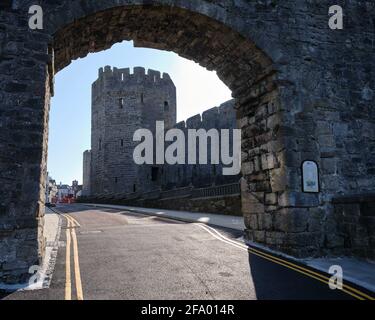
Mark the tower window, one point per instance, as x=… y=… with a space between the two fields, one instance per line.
x=121 y=103
x=166 y=106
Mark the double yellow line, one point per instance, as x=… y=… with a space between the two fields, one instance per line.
x=288 y=264
x=71 y=238
x=312 y=274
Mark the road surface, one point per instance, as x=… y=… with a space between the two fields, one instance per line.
x=114 y=254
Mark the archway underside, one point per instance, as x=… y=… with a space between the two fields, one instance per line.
x=237 y=61
x=246 y=70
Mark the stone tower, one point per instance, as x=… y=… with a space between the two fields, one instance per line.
x=123 y=102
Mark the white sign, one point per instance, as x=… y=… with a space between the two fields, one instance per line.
x=310 y=177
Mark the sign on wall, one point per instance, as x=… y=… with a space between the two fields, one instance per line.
x=310 y=177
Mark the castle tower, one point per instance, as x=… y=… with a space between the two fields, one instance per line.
x=123 y=102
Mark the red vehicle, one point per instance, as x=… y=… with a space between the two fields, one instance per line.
x=68 y=199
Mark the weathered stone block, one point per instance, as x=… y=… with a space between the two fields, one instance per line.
x=251 y=221
x=275 y=238
x=278 y=179
x=270 y=198
x=259 y=236
x=291 y=220
x=298 y=199
x=247 y=168
x=329 y=166
x=251 y=204
x=264 y=221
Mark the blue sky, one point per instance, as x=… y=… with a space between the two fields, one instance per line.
x=70 y=116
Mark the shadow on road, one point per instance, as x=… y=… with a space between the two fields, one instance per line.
x=3 y=295
x=276 y=282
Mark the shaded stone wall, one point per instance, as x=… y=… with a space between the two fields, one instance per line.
x=226 y=205
x=86 y=181
x=273 y=55
x=356 y=223
x=202 y=175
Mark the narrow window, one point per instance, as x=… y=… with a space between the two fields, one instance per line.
x=134 y=188
x=116 y=180
x=122 y=142
x=166 y=106
x=100 y=144
x=121 y=103
x=142 y=97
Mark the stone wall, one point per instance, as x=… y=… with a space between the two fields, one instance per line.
x=86 y=173
x=356 y=223
x=224 y=199
x=227 y=205
x=202 y=175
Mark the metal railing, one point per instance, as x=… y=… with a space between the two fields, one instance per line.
x=216 y=191
x=177 y=193
x=185 y=192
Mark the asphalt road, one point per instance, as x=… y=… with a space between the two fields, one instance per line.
x=122 y=255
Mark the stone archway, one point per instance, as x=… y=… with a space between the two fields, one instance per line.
x=273 y=79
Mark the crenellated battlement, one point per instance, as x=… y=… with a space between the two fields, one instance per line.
x=138 y=74
x=217 y=117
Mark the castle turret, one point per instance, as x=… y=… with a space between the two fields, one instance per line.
x=123 y=102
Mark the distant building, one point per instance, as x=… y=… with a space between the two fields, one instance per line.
x=76 y=188
x=51 y=190
x=64 y=191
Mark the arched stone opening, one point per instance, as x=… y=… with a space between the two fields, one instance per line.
x=239 y=63
x=273 y=79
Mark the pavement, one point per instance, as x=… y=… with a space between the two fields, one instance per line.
x=51 y=231
x=360 y=272
x=218 y=220
x=113 y=253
